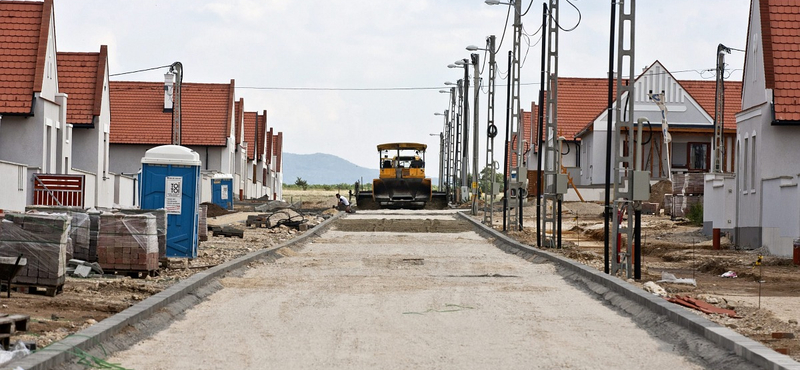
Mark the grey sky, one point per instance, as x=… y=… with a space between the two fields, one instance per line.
x=377 y=44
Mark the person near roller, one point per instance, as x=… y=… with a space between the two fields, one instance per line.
x=344 y=204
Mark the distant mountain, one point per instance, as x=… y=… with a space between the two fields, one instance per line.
x=324 y=169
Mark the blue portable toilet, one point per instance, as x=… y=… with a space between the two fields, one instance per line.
x=222 y=190
x=170 y=179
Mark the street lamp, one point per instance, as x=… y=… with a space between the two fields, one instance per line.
x=491 y=129
x=464 y=117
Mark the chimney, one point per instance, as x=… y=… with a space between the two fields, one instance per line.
x=168 y=89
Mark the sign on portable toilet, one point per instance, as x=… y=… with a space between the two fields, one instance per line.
x=222 y=190
x=170 y=179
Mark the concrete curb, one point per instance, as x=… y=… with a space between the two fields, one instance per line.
x=754 y=352
x=64 y=350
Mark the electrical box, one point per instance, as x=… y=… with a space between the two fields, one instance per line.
x=561 y=183
x=640 y=185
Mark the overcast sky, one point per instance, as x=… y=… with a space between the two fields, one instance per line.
x=269 y=47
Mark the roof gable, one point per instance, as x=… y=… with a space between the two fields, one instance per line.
x=262 y=134
x=581 y=101
x=24 y=31
x=81 y=76
x=238 y=108
x=250 y=133
x=277 y=150
x=138 y=117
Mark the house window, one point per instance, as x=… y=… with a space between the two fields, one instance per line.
x=745 y=158
x=698 y=156
x=753 y=164
x=678 y=155
x=255 y=173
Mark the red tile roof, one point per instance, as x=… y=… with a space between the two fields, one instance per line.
x=239 y=111
x=270 y=146
x=278 y=150
x=262 y=134
x=780 y=22
x=24 y=28
x=526 y=132
x=81 y=76
x=138 y=117
x=705 y=93
x=250 y=136
x=582 y=100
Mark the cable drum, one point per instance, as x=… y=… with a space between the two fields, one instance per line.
x=491 y=131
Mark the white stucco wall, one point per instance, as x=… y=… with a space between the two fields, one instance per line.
x=781 y=214
x=14 y=186
x=126 y=158
x=719 y=202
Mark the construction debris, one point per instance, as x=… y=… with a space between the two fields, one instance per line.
x=702 y=306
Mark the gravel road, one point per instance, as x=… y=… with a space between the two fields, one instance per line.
x=433 y=300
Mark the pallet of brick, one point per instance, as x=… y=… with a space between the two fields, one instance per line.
x=691 y=183
x=128 y=242
x=78 y=245
x=161 y=225
x=42 y=239
x=680 y=205
x=202 y=224
x=94 y=230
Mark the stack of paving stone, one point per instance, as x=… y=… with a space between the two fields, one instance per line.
x=41 y=239
x=128 y=243
x=94 y=231
x=161 y=225
x=78 y=245
x=692 y=183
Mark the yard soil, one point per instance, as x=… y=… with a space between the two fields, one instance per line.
x=668 y=246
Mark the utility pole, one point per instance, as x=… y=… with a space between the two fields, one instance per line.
x=517 y=184
x=555 y=184
x=538 y=142
x=491 y=132
x=457 y=179
x=176 y=69
x=465 y=118
x=719 y=111
x=451 y=158
x=636 y=181
x=475 y=141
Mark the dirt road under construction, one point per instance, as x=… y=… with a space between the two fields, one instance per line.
x=400 y=289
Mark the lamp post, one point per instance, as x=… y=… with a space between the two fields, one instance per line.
x=451 y=143
x=515 y=125
x=465 y=119
x=441 y=146
x=491 y=129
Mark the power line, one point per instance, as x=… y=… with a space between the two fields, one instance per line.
x=289 y=88
x=138 y=70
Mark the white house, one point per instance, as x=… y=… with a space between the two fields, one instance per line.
x=767 y=207
x=84 y=78
x=141 y=119
x=583 y=119
x=34 y=133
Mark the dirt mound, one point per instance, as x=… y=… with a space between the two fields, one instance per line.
x=215 y=210
x=658 y=190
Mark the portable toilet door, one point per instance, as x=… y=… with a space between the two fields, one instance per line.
x=222 y=191
x=171 y=180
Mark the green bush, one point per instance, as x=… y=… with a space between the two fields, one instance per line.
x=695 y=214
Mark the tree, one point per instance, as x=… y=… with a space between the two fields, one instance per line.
x=301 y=183
x=486 y=174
